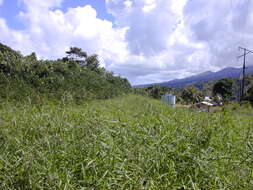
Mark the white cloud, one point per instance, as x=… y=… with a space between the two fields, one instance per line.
x=222 y=26
x=150 y=41
x=157 y=33
x=149 y=31
x=179 y=38
x=1 y=2
x=34 y=4
x=51 y=32
x=15 y=38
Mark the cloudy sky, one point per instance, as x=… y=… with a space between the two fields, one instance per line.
x=144 y=40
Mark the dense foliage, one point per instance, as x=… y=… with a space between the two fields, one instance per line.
x=191 y=95
x=76 y=77
x=228 y=88
x=249 y=94
x=125 y=143
x=224 y=87
x=185 y=95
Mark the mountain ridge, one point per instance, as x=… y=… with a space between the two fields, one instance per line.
x=228 y=72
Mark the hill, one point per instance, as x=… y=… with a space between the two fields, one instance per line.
x=229 y=72
x=76 y=77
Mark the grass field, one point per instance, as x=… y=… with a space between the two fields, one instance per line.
x=124 y=143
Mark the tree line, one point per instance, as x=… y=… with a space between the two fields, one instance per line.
x=77 y=76
x=226 y=88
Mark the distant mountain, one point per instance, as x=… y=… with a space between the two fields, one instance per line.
x=229 y=72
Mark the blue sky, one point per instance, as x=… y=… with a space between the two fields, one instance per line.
x=146 y=41
x=9 y=11
x=11 y=8
x=99 y=5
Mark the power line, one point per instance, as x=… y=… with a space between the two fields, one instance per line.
x=245 y=52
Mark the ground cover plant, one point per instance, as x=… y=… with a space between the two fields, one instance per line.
x=129 y=142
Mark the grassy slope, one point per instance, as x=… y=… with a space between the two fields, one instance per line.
x=124 y=143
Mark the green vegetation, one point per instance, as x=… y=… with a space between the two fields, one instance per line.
x=227 y=88
x=191 y=95
x=126 y=143
x=185 y=95
x=224 y=87
x=57 y=131
x=249 y=95
x=76 y=77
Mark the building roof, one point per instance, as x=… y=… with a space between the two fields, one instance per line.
x=206 y=103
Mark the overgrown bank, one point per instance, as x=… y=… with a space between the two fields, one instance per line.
x=125 y=143
x=76 y=77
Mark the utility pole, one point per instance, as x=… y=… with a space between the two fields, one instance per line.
x=245 y=52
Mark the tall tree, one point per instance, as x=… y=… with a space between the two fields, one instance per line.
x=224 y=87
x=76 y=54
x=191 y=95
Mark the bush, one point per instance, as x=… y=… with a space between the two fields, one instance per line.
x=224 y=88
x=26 y=76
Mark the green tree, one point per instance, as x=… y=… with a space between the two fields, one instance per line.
x=249 y=94
x=191 y=95
x=223 y=87
x=156 y=91
x=81 y=57
x=92 y=62
x=76 y=54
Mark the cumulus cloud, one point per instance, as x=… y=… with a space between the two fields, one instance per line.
x=50 y=31
x=222 y=26
x=180 y=38
x=15 y=38
x=150 y=40
x=144 y=19
x=157 y=40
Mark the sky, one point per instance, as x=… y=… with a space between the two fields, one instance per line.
x=146 y=41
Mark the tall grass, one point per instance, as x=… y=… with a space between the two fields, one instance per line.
x=125 y=143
